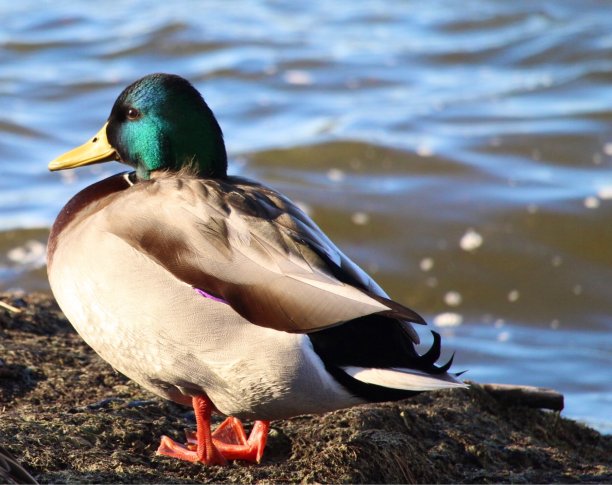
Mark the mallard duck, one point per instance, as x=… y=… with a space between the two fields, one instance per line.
x=218 y=292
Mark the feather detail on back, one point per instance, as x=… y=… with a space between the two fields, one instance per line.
x=248 y=245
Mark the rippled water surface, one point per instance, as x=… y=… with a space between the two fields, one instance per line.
x=460 y=152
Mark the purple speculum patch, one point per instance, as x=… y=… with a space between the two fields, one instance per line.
x=210 y=297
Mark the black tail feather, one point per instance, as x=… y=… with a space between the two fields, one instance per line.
x=427 y=361
x=430 y=357
x=374 y=341
x=442 y=369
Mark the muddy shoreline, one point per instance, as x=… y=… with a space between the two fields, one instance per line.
x=68 y=417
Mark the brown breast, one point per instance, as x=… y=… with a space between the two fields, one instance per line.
x=87 y=202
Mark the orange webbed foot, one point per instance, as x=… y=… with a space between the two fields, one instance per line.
x=169 y=447
x=227 y=442
x=231 y=440
x=250 y=449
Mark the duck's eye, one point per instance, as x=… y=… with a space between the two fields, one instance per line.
x=132 y=114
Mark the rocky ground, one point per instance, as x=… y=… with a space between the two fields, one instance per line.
x=68 y=417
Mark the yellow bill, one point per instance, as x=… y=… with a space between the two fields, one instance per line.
x=96 y=150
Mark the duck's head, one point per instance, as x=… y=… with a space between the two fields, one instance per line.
x=158 y=123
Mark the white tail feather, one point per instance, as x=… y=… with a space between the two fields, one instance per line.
x=404 y=379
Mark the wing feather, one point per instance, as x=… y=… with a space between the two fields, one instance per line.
x=251 y=247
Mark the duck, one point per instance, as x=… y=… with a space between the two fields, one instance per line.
x=217 y=292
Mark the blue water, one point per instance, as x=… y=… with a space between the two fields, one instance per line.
x=460 y=152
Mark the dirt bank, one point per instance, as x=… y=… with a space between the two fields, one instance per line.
x=68 y=417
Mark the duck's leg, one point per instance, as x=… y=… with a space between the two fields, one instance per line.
x=228 y=442
x=206 y=451
x=231 y=440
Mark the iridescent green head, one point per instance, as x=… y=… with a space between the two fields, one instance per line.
x=160 y=122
